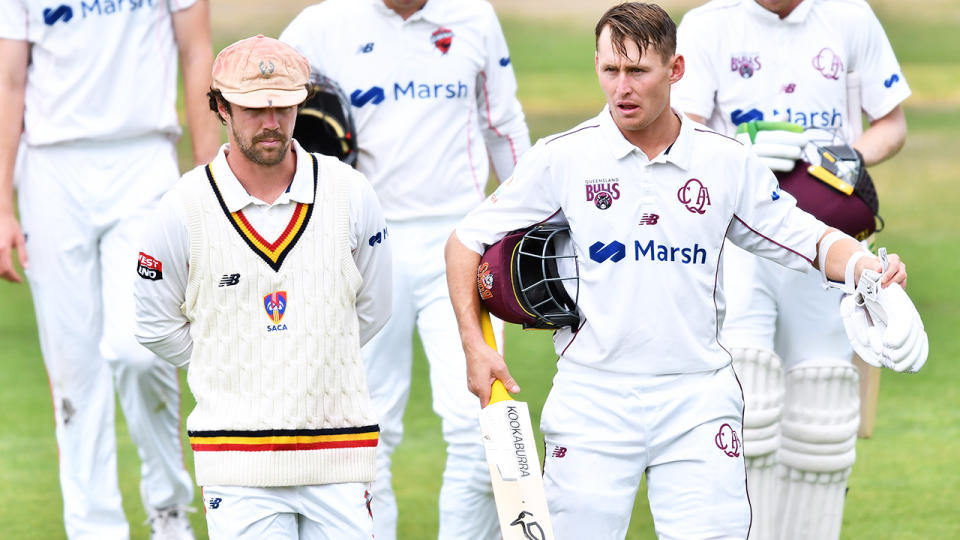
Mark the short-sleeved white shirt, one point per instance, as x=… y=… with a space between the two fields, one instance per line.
x=99 y=69
x=648 y=236
x=430 y=96
x=744 y=63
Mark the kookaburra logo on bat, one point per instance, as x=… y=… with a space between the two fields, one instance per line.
x=531 y=529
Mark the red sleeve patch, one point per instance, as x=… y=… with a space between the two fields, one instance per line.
x=149 y=268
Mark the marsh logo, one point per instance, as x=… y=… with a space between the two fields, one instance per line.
x=891 y=81
x=411 y=90
x=65 y=13
x=739 y=116
x=828 y=63
x=615 y=251
x=359 y=98
x=52 y=15
x=505 y=61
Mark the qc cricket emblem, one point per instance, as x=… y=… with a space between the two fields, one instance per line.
x=275 y=304
x=442 y=38
x=694 y=196
x=728 y=441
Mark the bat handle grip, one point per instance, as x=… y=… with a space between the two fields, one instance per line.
x=498 y=392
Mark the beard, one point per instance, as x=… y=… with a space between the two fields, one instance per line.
x=267 y=158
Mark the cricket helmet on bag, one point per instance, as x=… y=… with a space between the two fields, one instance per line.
x=831 y=182
x=530 y=277
x=325 y=123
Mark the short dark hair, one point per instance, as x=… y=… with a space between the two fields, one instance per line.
x=646 y=24
x=216 y=97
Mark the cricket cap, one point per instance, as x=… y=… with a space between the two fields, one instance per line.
x=260 y=72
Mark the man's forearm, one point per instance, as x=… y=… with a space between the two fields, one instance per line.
x=192 y=29
x=13 y=81
x=462 y=265
x=884 y=138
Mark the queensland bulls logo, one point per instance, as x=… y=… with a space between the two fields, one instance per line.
x=745 y=64
x=602 y=191
x=728 y=441
x=275 y=304
x=828 y=63
x=485 y=281
x=442 y=39
x=694 y=196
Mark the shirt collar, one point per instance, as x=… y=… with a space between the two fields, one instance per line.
x=677 y=153
x=797 y=16
x=433 y=11
x=235 y=197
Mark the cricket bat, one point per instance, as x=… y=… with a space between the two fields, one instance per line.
x=514 y=464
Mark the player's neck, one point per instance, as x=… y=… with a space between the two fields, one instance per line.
x=264 y=182
x=656 y=137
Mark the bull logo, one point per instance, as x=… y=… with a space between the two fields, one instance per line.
x=728 y=441
x=828 y=63
x=485 y=281
x=694 y=196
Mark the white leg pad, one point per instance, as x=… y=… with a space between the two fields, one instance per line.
x=821 y=418
x=761 y=377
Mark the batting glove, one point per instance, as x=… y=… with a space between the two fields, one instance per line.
x=778 y=144
x=883 y=325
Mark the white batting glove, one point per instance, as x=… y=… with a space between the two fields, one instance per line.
x=883 y=325
x=778 y=144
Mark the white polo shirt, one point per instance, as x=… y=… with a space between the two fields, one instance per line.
x=166 y=240
x=648 y=235
x=744 y=63
x=99 y=69
x=430 y=96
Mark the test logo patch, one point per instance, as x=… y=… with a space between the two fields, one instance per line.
x=602 y=191
x=746 y=64
x=728 y=441
x=149 y=268
x=694 y=196
x=442 y=38
x=275 y=304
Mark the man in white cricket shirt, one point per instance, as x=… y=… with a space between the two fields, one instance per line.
x=271 y=282
x=433 y=95
x=644 y=385
x=795 y=61
x=93 y=88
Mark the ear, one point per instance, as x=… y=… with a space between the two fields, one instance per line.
x=596 y=61
x=677 y=68
x=222 y=109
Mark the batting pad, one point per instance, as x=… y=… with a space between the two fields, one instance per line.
x=821 y=417
x=761 y=377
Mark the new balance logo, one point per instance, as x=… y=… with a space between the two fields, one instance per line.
x=52 y=15
x=614 y=251
x=359 y=98
x=215 y=503
x=365 y=48
x=559 y=451
x=229 y=279
x=649 y=219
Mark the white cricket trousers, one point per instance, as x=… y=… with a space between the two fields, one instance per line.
x=81 y=205
x=321 y=512
x=421 y=300
x=603 y=431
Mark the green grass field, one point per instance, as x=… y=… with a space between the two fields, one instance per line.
x=905 y=482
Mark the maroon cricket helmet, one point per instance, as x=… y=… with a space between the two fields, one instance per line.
x=521 y=278
x=855 y=214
